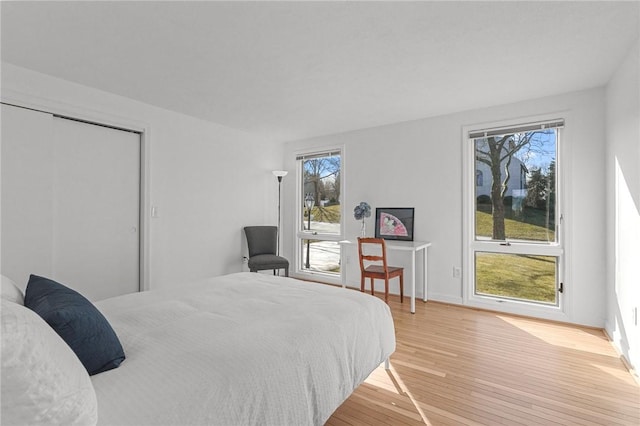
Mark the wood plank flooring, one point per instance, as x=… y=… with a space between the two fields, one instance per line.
x=461 y=366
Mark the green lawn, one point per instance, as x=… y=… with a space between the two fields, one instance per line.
x=515 y=229
x=517 y=276
x=329 y=214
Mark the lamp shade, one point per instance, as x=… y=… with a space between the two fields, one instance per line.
x=279 y=173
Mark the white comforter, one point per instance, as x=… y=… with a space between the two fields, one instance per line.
x=241 y=349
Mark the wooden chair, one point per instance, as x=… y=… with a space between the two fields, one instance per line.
x=376 y=265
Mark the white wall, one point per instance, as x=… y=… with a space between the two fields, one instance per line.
x=419 y=164
x=208 y=181
x=623 y=207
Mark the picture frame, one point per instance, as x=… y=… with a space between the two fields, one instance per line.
x=394 y=223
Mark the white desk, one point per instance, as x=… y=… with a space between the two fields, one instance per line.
x=411 y=246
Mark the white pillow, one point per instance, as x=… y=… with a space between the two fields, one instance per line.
x=43 y=381
x=10 y=291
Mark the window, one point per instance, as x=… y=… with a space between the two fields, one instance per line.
x=514 y=247
x=320 y=213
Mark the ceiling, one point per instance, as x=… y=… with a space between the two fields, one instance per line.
x=294 y=70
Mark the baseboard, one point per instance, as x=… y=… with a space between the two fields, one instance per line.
x=627 y=364
x=444 y=298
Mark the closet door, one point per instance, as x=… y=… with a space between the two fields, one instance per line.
x=27 y=193
x=96 y=208
x=70 y=203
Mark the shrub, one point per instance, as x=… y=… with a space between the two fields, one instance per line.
x=484 y=199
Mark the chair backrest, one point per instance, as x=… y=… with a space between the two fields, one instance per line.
x=261 y=239
x=366 y=249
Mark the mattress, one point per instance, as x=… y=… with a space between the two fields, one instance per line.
x=241 y=349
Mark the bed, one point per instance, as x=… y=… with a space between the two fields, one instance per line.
x=239 y=349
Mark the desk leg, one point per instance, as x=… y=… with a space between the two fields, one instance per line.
x=424 y=274
x=413 y=282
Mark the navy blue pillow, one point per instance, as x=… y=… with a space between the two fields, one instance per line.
x=77 y=321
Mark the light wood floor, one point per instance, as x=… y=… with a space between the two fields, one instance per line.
x=460 y=366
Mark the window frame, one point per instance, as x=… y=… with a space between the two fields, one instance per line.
x=560 y=248
x=301 y=234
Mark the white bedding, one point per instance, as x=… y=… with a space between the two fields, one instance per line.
x=241 y=349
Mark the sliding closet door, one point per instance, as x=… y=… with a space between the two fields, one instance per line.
x=96 y=208
x=27 y=193
x=70 y=203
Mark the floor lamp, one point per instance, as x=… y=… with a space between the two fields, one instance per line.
x=279 y=174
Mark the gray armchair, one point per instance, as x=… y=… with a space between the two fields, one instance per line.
x=263 y=242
